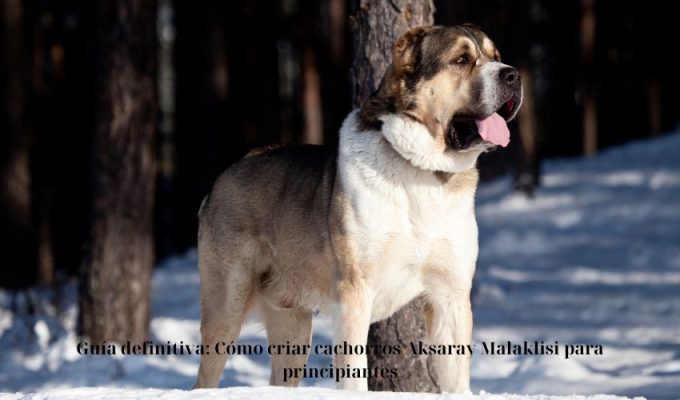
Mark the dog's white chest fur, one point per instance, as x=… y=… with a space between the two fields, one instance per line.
x=408 y=225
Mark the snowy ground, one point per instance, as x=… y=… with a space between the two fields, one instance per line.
x=268 y=393
x=594 y=258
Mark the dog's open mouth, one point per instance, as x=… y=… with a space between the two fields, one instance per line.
x=465 y=130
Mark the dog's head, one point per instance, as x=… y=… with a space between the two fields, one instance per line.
x=451 y=81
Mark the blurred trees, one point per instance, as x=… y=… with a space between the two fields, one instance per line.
x=248 y=73
x=587 y=78
x=46 y=88
x=16 y=216
x=251 y=73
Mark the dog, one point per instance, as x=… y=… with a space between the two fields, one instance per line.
x=362 y=229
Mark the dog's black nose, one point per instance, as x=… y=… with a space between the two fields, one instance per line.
x=509 y=75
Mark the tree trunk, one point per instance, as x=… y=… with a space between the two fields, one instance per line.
x=116 y=283
x=587 y=86
x=375 y=26
x=526 y=170
x=203 y=88
x=15 y=142
x=654 y=106
x=311 y=98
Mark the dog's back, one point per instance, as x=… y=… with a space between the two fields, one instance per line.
x=266 y=182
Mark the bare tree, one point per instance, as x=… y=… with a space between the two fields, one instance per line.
x=116 y=284
x=375 y=26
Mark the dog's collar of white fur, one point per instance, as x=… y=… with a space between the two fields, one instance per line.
x=413 y=141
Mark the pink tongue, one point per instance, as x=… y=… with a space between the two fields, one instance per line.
x=494 y=129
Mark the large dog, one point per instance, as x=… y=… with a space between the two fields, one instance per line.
x=363 y=229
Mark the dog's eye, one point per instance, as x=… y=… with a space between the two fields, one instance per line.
x=462 y=60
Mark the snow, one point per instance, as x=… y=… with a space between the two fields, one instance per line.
x=267 y=393
x=593 y=258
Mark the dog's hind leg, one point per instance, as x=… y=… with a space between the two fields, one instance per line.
x=288 y=326
x=226 y=288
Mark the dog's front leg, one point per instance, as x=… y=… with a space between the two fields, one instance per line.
x=449 y=321
x=352 y=317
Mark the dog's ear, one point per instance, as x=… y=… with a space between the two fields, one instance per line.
x=403 y=50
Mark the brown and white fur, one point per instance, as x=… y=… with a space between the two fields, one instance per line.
x=361 y=230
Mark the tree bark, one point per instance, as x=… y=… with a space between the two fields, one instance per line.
x=375 y=26
x=116 y=285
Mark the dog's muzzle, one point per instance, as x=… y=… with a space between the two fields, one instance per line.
x=499 y=103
